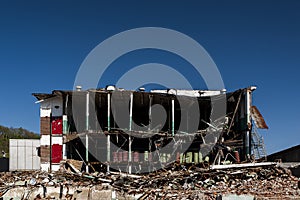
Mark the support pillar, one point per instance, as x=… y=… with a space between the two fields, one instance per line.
x=248 y=134
x=130 y=129
x=87 y=130
x=108 y=129
x=108 y=112
x=173 y=117
x=108 y=152
x=65 y=124
x=150 y=112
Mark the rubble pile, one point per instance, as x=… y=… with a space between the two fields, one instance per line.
x=174 y=182
x=265 y=182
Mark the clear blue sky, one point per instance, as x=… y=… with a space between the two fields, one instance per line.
x=43 y=43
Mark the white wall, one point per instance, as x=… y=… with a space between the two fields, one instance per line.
x=53 y=105
x=23 y=154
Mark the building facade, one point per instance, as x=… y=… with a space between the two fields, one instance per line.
x=136 y=130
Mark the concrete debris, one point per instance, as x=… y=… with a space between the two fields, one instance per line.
x=173 y=182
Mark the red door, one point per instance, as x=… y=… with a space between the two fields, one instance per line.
x=56 y=153
x=57 y=126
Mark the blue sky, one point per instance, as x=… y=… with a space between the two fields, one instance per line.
x=43 y=43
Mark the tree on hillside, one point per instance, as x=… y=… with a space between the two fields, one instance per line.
x=14 y=133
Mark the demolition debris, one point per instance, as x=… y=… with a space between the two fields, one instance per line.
x=173 y=182
x=86 y=152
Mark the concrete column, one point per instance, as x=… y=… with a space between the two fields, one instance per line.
x=108 y=151
x=87 y=114
x=87 y=129
x=248 y=135
x=108 y=111
x=150 y=112
x=108 y=128
x=65 y=124
x=65 y=131
x=130 y=112
x=173 y=117
x=130 y=129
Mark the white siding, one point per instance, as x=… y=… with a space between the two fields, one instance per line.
x=45 y=166
x=35 y=157
x=23 y=154
x=53 y=105
x=45 y=112
x=57 y=140
x=55 y=167
x=45 y=140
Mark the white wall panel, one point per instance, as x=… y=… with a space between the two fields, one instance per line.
x=53 y=105
x=45 y=140
x=23 y=154
x=57 y=140
x=45 y=166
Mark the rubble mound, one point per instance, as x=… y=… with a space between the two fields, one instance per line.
x=174 y=182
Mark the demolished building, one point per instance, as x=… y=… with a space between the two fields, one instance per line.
x=289 y=158
x=118 y=129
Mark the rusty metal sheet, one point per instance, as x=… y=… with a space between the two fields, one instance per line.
x=258 y=118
